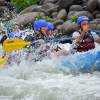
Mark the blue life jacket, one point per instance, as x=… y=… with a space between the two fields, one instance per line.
x=15 y=34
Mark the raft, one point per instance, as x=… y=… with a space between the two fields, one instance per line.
x=84 y=62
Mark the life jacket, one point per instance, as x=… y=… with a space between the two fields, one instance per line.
x=87 y=43
x=15 y=34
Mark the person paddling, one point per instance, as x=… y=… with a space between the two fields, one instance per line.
x=84 y=40
x=13 y=31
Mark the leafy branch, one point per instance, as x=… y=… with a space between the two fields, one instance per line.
x=73 y=19
x=40 y=16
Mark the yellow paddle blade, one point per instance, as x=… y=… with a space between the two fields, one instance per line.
x=14 y=44
x=2 y=61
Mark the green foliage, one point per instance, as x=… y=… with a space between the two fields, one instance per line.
x=6 y=23
x=73 y=19
x=22 y=4
x=40 y=16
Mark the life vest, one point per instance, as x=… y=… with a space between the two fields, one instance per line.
x=87 y=43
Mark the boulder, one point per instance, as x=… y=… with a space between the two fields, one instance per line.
x=58 y=22
x=96 y=12
x=68 y=28
x=47 y=6
x=65 y=4
x=80 y=13
x=98 y=15
x=54 y=14
x=47 y=1
x=3 y=3
x=75 y=8
x=99 y=4
x=29 y=9
x=62 y=14
x=25 y=19
x=91 y=5
x=98 y=27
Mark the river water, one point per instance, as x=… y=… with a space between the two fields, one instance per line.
x=46 y=81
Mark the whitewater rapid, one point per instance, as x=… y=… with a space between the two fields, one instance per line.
x=46 y=80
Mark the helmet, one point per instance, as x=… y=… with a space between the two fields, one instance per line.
x=50 y=26
x=39 y=24
x=10 y=25
x=82 y=18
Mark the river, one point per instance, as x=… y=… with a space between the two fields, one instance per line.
x=46 y=81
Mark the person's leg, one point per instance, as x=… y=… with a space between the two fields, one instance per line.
x=61 y=52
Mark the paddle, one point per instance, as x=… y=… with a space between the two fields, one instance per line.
x=16 y=43
x=90 y=30
x=2 y=61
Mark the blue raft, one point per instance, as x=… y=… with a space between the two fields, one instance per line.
x=84 y=62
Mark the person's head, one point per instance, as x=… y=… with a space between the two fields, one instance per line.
x=50 y=28
x=40 y=26
x=83 y=21
x=12 y=26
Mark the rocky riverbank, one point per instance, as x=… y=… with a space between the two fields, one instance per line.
x=59 y=11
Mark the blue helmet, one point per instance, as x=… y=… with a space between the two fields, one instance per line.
x=50 y=26
x=82 y=18
x=9 y=26
x=39 y=24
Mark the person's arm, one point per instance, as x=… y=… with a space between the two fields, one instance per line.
x=31 y=38
x=96 y=37
x=98 y=41
x=79 y=38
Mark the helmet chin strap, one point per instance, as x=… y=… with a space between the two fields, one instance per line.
x=81 y=27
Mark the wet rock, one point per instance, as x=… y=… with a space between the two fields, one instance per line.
x=75 y=8
x=96 y=12
x=63 y=4
x=29 y=9
x=98 y=27
x=93 y=26
x=3 y=3
x=68 y=28
x=99 y=4
x=47 y=1
x=59 y=28
x=54 y=14
x=2 y=9
x=98 y=15
x=80 y=13
x=91 y=5
x=58 y=22
x=70 y=14
x=94 y=22
x=85 y=2
x=47 y=6
x=62 y=14
x=25 y=19
x=53 y=9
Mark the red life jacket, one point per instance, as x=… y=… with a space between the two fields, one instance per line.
x=87 y=43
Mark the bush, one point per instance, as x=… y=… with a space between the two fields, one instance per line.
x=22 y=4
x=73 y=19
x=40 y=16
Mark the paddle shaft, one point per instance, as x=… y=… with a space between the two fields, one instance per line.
x=55 y=40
